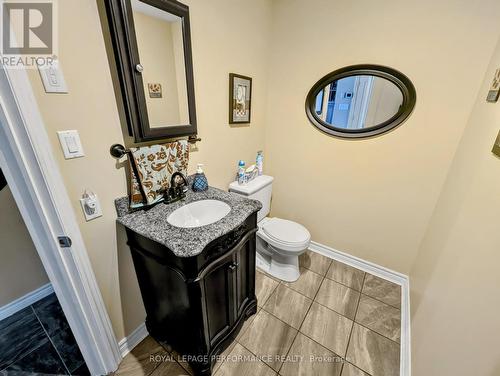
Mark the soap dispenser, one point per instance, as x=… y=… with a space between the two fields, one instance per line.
x=200 y=182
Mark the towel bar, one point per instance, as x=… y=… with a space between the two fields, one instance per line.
x=118 y=150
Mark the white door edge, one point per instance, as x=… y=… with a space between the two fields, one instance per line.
x=37 y=186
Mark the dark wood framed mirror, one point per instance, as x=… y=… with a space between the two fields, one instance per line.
x=152 y=48
x=360 y=101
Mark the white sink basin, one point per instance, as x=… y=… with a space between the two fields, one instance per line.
x=199 y=213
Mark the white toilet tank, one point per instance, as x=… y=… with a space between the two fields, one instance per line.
x=260 y=189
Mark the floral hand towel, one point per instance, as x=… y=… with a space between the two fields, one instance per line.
x=155 y=165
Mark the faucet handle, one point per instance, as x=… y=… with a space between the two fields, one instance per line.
x=176 y=176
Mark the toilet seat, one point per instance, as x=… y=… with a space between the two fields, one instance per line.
x=284 y=235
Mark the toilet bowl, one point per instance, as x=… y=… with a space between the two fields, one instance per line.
x=280 y=242
x=279 y=245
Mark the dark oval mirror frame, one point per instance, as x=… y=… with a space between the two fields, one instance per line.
x=122 y=30
x=394 y=76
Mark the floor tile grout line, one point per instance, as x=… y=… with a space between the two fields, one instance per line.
x=283 y=321
x=321 y=275
x=290 y=284
x=298 y=292
x=241 y=333
x=374 y=331
x=355 y=366
x=340 y=283
x=50 y=340
x=305 y=335
x=343 y=284
x=380 y=301
x=12 y=362
x=272 y=292
x=364 y=276
x=174 y=357
x=304 y=319
x=285 y=286
x=376 y=298
x=354 y=320
x=359 y=291
x=257 y=356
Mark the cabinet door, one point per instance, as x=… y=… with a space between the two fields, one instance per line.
x=218 y=286
x=244 y=275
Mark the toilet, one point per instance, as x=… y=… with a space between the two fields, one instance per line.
x=279 y=242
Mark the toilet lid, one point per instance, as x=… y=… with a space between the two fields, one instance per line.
x=286 y=232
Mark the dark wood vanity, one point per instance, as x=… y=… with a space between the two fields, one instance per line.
x=198 y=304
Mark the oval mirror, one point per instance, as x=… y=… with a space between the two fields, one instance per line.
x=360 y=101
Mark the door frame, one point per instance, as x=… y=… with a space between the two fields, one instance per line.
x=31 y=170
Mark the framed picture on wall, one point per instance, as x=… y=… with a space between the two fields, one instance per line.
x=154 y=90
x=240 y=99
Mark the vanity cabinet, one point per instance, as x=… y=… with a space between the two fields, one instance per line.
x=198 y=304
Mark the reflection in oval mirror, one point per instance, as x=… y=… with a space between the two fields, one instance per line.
x=357 y=102
x=360 y=101
x=161 y=52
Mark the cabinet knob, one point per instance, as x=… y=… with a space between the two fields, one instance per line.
x=139 y=68
x=233 y=266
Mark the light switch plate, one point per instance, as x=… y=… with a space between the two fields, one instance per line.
x=71 y=144
x=53 y=78
x=94 y=213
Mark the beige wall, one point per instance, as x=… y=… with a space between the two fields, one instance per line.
x=454 y=282
x=226 y=40
x=21 y=270
x=372 y=198
x=90 y=107
x=156 y=52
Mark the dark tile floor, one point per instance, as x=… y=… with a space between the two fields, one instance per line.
x=38 y=340
x=335 y=320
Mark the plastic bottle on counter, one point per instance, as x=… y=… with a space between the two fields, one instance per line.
x=259 y=161
x=241 y=172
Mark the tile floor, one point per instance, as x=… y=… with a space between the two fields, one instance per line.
x=335 y=320
x=38 y=340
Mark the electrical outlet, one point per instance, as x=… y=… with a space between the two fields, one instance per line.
x=90 y=206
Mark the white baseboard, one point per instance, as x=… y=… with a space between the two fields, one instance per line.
x=389 y=275
x=128 y=343
x=25 y=301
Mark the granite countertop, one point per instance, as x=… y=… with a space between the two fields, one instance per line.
x=186 y=242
